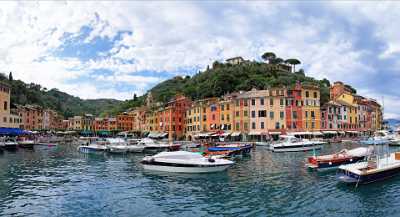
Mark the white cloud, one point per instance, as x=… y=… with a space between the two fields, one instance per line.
x=182 y=36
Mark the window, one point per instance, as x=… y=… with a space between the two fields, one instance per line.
x=213 y=108
x=313 y=125
x=253 y=102
x=237 y=103
x=237 y=113
x=204 y=117
x=5 y=120
x=204 y=110
x=253 y=114
x=222 y=107
x=262 y=101
x=271 y=102
x=262 y=125
x=312 y=114
x=315 y=95
x=237 y=126
x=253 y=125
x=246 y=126
x=307 y=94
x=271 y=115
x=227 y=117
x=213 y=117
x=294 y=114
x=282 y=115
x=277 y=125
x=222 y=117
x=306 y=114
x=227 y=107
x=281 y=102
x=5 y=106
x=245 y=113
x=245 y=102
x=262 y=113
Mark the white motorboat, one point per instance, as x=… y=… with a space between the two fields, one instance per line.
x=267 y=144
x=96 y=146
x=26 y=143
x=184 y=162
x=117 y=145
x=292 y=144
x=152 y=145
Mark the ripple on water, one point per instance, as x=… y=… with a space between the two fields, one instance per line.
x=62 y=182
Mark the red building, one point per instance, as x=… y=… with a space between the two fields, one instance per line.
x=294 y=109
x=171 y=118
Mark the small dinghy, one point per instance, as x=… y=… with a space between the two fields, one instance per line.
x=340 y=158
x=184 y=162
x=9 y=145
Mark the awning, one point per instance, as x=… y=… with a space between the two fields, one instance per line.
x=235 y=134
x=317 y=133
x=329 y=132
x=351 y=131
x=254 y=133
x=301 y=133
x=12 y=131
x=275 y=133
x=341 y=132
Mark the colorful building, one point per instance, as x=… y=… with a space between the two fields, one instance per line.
x=294 y=109
x=311 y=108
x=125 y=122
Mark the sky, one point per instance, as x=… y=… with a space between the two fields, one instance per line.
x=115 y=49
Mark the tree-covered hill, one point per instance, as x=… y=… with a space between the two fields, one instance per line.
x=227 y=78
x=63 y=103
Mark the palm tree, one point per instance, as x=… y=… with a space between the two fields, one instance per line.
x=268 y=56
x=293 y=62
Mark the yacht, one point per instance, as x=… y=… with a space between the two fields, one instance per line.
x=134 y=146
x=292 y=144
x=184 y=162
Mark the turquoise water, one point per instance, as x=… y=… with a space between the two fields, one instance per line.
x=59 y=181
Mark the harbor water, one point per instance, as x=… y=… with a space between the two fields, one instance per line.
x=59 y=181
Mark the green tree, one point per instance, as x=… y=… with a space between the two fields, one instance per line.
x=293 y=62
x=10 y=76
x=268 y=56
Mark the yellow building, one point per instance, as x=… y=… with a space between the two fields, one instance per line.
x=347 y=100
x=311 y=108
x=226 y=115
x=196 y=119
x=6 y=118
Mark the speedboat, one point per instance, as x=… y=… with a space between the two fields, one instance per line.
x=23 y=142
x=97 y=146
x=184 y=162
x=375 y=169
x=292 y=144
x=152 y=145
x=340 y=158
x=117 y=145
x=9 y=144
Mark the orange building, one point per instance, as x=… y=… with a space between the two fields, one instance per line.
x=125 y=122
x=212 y=115
x=32 y=117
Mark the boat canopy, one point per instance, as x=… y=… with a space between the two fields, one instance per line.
x=254 y=133
x=329 y=132
x=351 y=131
x=275 y=133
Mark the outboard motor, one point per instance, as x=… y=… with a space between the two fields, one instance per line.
x=211 y=160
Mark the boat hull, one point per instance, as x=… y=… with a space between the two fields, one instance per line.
x=26 y=145
x=10 y=147
x=326 y=165
x=185 y=169
x=88 y=150
x=352 y=178
x=295 y=148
